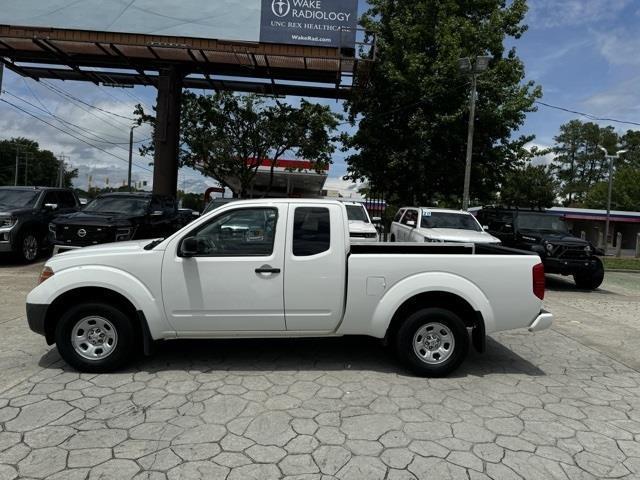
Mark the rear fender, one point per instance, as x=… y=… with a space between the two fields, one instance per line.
x=424 y=283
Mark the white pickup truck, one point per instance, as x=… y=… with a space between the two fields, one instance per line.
x=283 y=268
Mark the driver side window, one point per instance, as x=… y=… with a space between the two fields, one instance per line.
x=241 y=232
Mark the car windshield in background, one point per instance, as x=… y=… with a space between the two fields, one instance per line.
x=121 y=205
x=18 y=198
x=534 y=221
x=357 y=213
x=459 y=221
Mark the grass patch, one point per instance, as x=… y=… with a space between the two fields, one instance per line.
x=621 y=263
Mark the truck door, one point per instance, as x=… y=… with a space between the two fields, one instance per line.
x=235 y=280
x=315 y=267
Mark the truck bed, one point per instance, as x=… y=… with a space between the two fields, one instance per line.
x=434 y=249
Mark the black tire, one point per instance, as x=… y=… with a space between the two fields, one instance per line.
x=28 y=247
x=414 y=323
x=393 y=238
x=592 y=279
x=124 y=344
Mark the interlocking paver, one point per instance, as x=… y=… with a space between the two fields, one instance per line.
x=534 y=406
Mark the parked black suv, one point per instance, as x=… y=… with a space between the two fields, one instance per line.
x=25 y=213
x=116 y=217
x=548 y=236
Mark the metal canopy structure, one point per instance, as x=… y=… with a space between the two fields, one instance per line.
x=173 y=63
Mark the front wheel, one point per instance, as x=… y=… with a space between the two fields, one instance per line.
x=432 y=342
x=591 y=279
x=95 y=338
x=28 y=247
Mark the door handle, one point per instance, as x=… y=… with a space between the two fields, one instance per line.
x=267 y=269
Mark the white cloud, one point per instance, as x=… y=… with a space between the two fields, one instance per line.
x=619 y=46
x=543 y=159
x=621 y=101
x=563 y=13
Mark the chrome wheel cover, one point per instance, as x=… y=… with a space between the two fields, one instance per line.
x=94 y=338
x=30 y=247
x=433 y=343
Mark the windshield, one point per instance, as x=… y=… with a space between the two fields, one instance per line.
x=357 y=213
x=122 y=205
x=460 y=221
x=18 y=198
x=533 y=221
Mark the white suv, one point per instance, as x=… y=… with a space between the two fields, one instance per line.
x=423 y=224
x=360 y=227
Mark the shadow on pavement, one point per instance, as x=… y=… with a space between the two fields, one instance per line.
x=319 y=354
x=557 y=283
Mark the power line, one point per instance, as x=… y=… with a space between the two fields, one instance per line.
x=71 y=134
x=69 y=95
x=97 y=138
x=588 y=115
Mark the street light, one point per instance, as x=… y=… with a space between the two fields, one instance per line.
x=611 y=158
x=130 y=155
x=472 y=67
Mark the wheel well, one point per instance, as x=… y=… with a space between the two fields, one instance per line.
x=450 y=301
x=84 y=295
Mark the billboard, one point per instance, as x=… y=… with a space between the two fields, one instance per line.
x=327 y=23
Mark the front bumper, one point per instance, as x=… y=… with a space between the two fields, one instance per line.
x=36 y=315
x=5 y=239
x=569 y=267
x=542 y=321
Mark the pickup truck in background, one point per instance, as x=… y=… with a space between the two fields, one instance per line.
x=25 y=213
x=283 y=268
x=361 y=229
x=116 y=217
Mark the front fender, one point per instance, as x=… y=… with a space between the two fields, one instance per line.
x=109 y=278
x=425 y=283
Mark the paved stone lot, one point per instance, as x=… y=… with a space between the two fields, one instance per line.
x=535 y=406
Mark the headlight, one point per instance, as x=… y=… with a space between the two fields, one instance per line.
x=588 y=249
x=8 y=222
x=45 y=274
x=549 y=247
x=123 y=234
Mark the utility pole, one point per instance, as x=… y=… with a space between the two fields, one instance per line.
x=473 y=67
x=611 y=158
x=17 y=162
x=130 y=155
x=61 y=165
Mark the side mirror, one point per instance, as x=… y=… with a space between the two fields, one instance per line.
x=157 y=213
x=189 y=247
x=485 y=228
x=376 y=219
x=411 y=223
x=51 y=206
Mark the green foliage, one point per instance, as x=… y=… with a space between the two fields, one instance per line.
x=579 y=163
x=625 y=194
x=225 y=135
x=530 y=186
x=412 y=136
x=38 y=167
x=194 y=201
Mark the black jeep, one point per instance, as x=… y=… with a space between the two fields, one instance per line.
x=25 y=213
x=116 y=217
x=548 y=236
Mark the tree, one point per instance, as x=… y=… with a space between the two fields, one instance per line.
x=411 y=141
x=228 y=136
x=38 y=167
x=529 y=186
x=625 y=194
x=579 y=163
x=630 y=141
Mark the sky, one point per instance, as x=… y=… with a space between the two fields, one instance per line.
x=584 y=54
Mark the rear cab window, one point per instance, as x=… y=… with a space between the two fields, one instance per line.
x=311 y=231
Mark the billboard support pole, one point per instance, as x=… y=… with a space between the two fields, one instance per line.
x=167 y=133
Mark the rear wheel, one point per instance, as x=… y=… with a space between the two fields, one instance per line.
x=95 y=337
x=432 y=342
x=591 y=279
